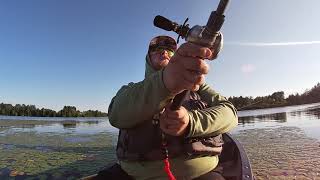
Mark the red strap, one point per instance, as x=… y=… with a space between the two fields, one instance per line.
x=167 y=169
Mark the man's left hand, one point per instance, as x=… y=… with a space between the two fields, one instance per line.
x=174 y=123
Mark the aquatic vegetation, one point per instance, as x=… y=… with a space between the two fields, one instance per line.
x=50 y=156
x=21 y=123
x=281 y=153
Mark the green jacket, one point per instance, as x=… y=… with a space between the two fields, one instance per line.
x=139 y=102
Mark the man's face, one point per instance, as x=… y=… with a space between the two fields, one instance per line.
x=160 y=58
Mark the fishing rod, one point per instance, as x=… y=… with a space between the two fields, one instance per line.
x=208 y=36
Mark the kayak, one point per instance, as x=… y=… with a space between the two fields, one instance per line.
x=233 y=160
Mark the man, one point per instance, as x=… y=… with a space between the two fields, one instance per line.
x=142 y=113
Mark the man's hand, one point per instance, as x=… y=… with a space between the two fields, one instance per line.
x=186 y=68
x=174 y=123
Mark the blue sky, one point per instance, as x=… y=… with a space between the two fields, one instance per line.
x=80 y=52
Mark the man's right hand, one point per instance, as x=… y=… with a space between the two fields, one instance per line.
x=186 y=69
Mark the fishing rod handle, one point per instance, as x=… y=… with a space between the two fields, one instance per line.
x=178 y=100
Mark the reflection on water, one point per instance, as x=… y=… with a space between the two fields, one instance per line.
x=82 y=126
x=309 y=112
x=278 y=117
x=77 y=128
x=306 y=117
x=69 y=125
x=56 y=119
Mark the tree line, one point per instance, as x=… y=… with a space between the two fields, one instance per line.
x=31 y=110
x=277 y=99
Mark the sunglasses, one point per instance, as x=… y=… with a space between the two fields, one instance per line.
x=161 y=49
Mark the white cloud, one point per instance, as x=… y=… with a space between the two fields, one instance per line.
x=257 y=44
x=248 y=68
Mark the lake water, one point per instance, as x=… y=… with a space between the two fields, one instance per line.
x=282 y=143
x=305 y=117
x=52 y=148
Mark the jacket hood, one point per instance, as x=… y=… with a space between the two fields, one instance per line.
x=149 y=69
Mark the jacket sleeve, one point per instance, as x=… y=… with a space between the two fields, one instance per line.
x=138 y=102
x=220 y=117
